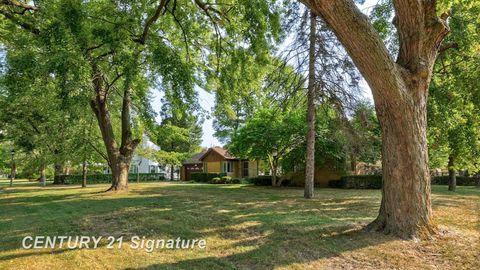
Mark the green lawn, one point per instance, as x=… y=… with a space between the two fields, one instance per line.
x=245 y=227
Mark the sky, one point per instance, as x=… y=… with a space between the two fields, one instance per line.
x=207 y=100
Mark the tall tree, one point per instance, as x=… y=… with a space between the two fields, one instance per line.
x=117 y=46
x=400 y=91
x=180 y=133
x=310 y=153
x=453 y=106
x=285 y=129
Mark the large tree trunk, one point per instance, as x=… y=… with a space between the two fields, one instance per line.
x=58 y=174
x=84 y=174
x=405 y=207
x=400 y=91
x=43 y=178
x=452 y=174
x=119 y=158
x=13 y=172
x=310 y=153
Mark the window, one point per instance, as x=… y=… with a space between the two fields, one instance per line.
x=227 y=167
x=152 y=169
x=133 y=169
x=205 y=168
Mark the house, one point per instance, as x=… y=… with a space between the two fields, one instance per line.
x=191 y=165
x=145 y=165
x=218 y=160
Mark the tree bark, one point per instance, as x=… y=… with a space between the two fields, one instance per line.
x=119 y=157
x=310 y=153
x=43 y=178
x=84 y=174
x=13 y=172
x=171 y=172
x=353 y=163
x=452 y=174
x=400 y=91
x=58 y=174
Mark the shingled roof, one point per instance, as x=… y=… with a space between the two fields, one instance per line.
x=219 y=150
x=195 y=159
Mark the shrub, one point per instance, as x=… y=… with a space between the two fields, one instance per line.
x=266 y=180
x=461 y=180
x=224 y=180
x=204 y=177
x=335 y=183
x=375 y=181
x=261 y=180
x=107 y=178
x=357 y=182
x=235 y=181
x=215 y=180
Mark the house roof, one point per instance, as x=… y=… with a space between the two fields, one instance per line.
x=195 y=158
x=219 y=150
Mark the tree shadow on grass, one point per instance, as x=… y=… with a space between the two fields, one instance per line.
x=265 y=228
x=274 y=253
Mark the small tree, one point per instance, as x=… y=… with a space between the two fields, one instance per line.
x=270 y=135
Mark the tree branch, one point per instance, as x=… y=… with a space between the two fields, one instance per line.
x=446 y=46
x=151 y=21
x=15 y=3
x=30 y=28
x=363 y=44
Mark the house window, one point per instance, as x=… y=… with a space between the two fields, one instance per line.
x=152 y=169
x=205 y=167
x=133 y=169
x=227 y=167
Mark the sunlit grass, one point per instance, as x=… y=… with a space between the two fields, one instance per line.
x=245 y=227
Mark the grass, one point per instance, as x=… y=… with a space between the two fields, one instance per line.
x=245 y=227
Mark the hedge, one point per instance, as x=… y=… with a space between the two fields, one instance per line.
x=461 y=180
x=375 y=181
x=266 y=180
x=205 y=177
x=107 y=178
x=357 y=182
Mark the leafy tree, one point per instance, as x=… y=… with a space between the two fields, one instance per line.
x=364 y=135
x=454 y=107
x=37 y=118
x=178 y=136
x=270 y=135
x=400 y=90
x=115 y=51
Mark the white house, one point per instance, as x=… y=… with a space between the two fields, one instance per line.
x=144 y=165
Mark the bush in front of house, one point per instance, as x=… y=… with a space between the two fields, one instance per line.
x=266 y=180
x=203 y=177
x=357 y=182
x=224 y=180
x=215 y=180
x=261 y=180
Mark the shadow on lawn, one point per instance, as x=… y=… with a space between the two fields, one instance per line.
x=276 y=227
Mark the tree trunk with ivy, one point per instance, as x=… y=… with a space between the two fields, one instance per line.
x=400 y=91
